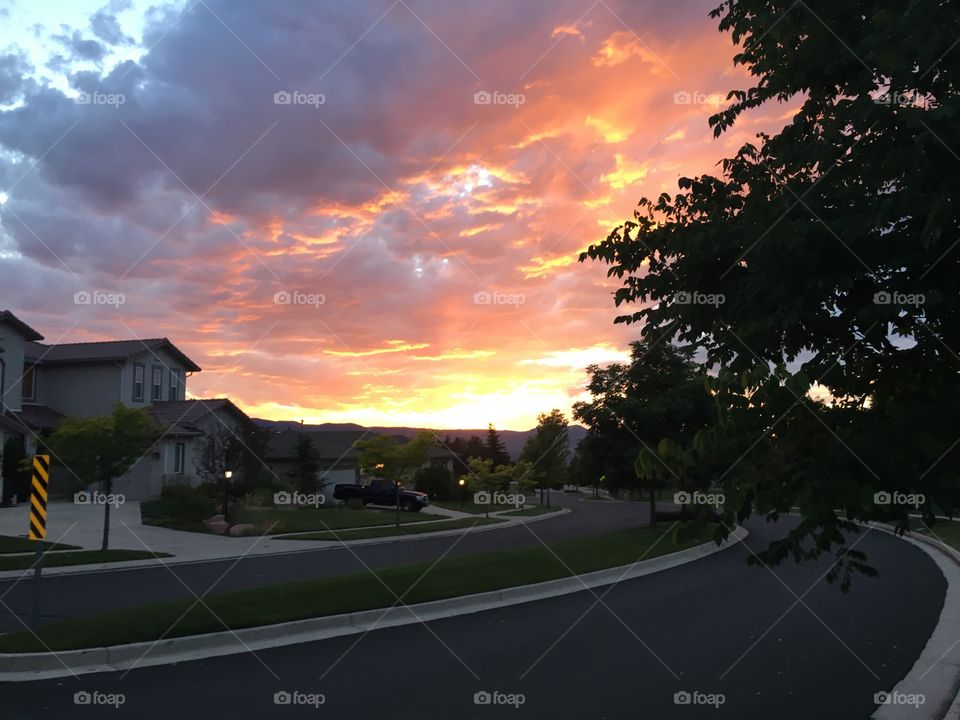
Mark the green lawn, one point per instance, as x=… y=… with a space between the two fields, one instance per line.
x=21 y=545
x=82 y=557
x=469 y=507
x=273 y=521
x=449 y=577
x=946 y=530
x=535 y=510
x=300 y=519
x=391 y=531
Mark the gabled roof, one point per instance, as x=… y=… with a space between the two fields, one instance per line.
x=329 y=444
x=183 y=415
x=40 y=417
x=8 y=318
x=107 y=351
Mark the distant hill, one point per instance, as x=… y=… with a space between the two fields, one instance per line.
x=512 y=439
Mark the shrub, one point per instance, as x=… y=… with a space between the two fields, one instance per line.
x=179 y=505
x=436 y=481
x=261 y=498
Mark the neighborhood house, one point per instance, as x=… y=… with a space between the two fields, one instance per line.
x=42 y=384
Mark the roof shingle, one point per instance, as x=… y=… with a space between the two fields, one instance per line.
x=106 y=351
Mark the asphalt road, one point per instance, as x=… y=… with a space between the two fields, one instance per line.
x=715 y=627
x=83 y=594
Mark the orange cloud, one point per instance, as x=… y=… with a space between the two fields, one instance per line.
x=627 y=173
x=607 y=130
x=622 y=46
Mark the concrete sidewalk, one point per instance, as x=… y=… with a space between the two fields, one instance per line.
x=82 y=525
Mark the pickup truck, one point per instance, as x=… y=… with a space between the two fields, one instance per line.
x=382 y=492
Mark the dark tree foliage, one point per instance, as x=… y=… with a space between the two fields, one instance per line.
x=437 y=482
x=496 y=451
x=305 y=469
x=825 y=253
x=659 y=395
x=546 y=451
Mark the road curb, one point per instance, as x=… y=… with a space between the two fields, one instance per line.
x=936 y=673
x=322 y=545
x=21 y=667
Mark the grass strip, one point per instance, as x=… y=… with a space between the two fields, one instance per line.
x=391 y=531
x=10 y=544
x=450 y=577
x=467 y=507
x=82 y=557
x=529 y=512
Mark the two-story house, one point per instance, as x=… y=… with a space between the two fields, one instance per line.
x=41 y=384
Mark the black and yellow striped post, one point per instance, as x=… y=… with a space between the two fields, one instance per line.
x=38 y=497
x=38 y=525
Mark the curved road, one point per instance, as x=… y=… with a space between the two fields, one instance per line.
x=80 y=594
x=714 y=626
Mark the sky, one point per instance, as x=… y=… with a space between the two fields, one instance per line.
x=362 y=212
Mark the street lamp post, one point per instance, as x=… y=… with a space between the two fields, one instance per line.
x=463 y=484
x=227 y=474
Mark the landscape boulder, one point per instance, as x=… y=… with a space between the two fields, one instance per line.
x=216 y=525
x=242 y=529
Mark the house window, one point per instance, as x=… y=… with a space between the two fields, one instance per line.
x=156 y=383
x=179 y=452
x=138 y=382
x=29 y=383
x=174 y=393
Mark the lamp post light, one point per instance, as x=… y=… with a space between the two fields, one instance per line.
x=227 y=474
x=463 y=485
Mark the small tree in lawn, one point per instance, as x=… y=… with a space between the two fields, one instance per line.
x=99 y=449
x=393 y=460
x=216 y=453
x=486 y=479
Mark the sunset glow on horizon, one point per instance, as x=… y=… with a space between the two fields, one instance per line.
x=367 y=213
